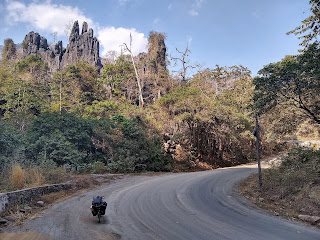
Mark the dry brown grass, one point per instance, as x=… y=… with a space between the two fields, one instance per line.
x=54 y=174
x=34 y=177
x=24 y=236
x=53 y=197
x=17 y=176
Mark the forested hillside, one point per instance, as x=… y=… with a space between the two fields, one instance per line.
x=133 y=115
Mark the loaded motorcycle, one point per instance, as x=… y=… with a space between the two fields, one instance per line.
x=98 y=207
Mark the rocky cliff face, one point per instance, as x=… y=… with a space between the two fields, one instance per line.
x=157 y=51
x=153 y=68
x=81 y=47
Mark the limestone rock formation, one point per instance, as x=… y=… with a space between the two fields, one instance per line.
x=34 y=44
x=153 y=67
x=81 y=47
x=157 y=52
x=155 y=60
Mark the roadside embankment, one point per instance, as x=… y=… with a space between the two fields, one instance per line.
x=10 y=199
x=290 y=186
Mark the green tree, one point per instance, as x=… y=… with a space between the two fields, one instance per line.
x=5 y=77
x=102 y=109
x=74 y=87
x=63 y=138
x=34 y=70
x=136 y=151
x=21 y=102
x=294 y=81
x=212 y=82
x=55 y=147
x=119 y=81
x=310 y=26
x=9 y=49
x=24 y=91
x=10 y=142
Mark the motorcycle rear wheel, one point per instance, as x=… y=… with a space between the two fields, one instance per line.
x=99 y=216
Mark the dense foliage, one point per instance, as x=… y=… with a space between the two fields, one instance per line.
x=88 y=120
x=64 y=139
x=294 y=81
x=78 y=117
x=10 y=142
x=213 y=127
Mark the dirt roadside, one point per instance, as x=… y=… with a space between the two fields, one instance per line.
x=24 y=236
x=272 y=202
x=18 y=214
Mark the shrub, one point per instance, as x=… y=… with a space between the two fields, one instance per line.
x=97 y=167
x=291 y=189
x=52 y=173
x=136 y=151
x=300 y=169
x=9 y=145
x=34 y=176
x=59 y=137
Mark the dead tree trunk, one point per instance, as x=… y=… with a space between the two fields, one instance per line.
x=141 y=102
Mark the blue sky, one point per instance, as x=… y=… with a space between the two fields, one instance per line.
x=224 y=32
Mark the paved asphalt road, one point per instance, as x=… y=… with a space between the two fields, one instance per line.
x=200 y=205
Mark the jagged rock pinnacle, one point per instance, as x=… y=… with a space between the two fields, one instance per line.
x=84 y=27
x=80 y=47
x=74 y=32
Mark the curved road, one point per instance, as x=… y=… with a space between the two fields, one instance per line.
x=200 y=205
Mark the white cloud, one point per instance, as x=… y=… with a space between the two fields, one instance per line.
x=170 y=6
x=193 y=13
x=198 y=3
x=156 y=21
x=111 y=38
x=123 y=1
x=48 y=17
x=196 y=6
x=256 y=13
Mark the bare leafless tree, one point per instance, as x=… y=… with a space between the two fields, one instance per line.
x=68 y=28
x=185 y=63
x=111 y=56
x=141 y=102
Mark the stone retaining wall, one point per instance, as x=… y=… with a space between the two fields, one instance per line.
x=10 y=199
